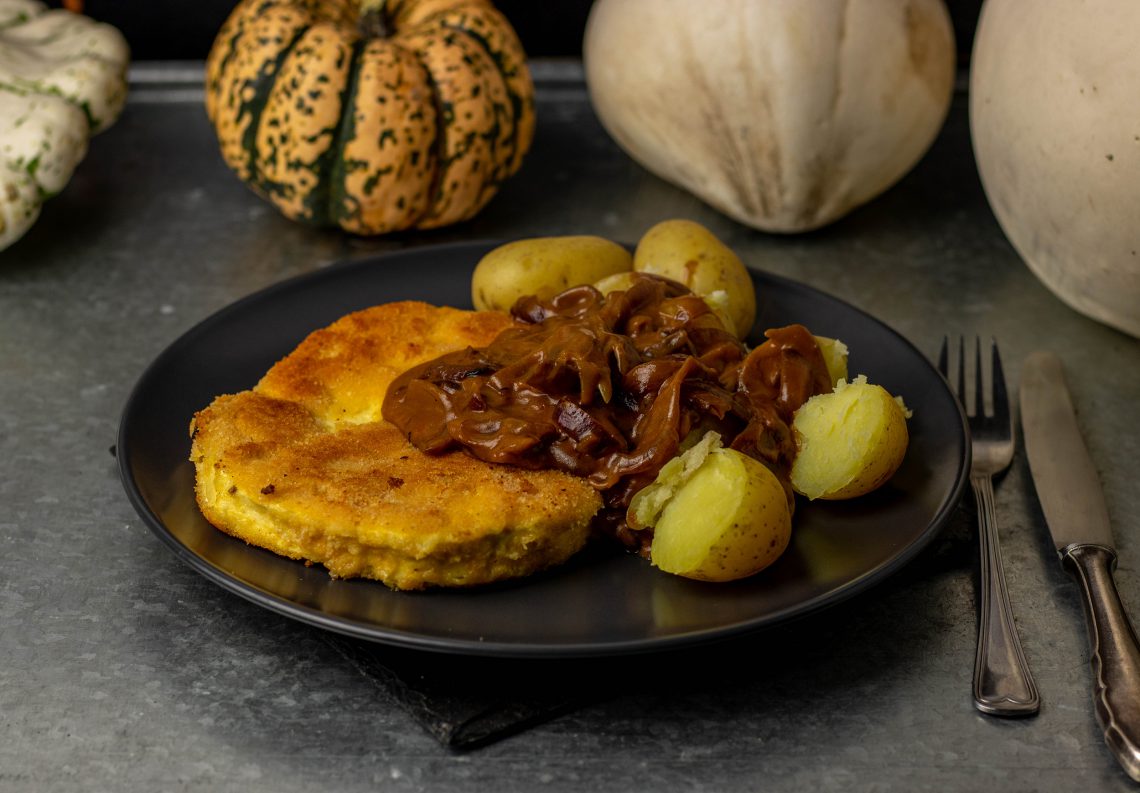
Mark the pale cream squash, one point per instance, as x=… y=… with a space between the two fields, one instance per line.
x=783 y=114
x=1055 y=119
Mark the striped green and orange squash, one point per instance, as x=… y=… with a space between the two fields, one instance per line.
x=373 y=115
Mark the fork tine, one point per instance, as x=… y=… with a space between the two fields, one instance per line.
x=962 y=373
x=944 y=357
x=1001 y=396
x=979 y=388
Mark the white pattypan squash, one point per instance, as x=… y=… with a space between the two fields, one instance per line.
x=62 y=79
x=783 y=114
x=1055 y=122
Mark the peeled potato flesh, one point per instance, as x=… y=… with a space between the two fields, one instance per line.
x=729 y=520
x=834 y=356
x=543 y=266
x=646 y=506
x=849 y=442
x=618 y=282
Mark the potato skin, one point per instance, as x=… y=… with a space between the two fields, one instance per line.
x=729 y=520
x=850 y=441
x=689 y=253
x=543 y=266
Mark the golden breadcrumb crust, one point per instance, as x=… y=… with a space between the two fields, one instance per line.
x=304 y=465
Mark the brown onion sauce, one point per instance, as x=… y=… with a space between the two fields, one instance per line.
x=607 y=388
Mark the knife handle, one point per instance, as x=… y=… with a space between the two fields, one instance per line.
x=1115 y=653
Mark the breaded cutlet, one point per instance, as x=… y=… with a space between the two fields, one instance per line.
x=304 y=465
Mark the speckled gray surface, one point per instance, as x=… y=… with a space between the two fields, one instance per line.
x=121 y=669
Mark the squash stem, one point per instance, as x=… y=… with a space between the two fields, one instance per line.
x=375 y=18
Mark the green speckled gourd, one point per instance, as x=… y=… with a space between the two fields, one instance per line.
x=63 y=77
x=372 y=115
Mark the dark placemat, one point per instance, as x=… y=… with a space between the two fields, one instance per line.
x=469 y=702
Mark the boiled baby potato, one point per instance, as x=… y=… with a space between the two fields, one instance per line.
x=717 y=302
x=543 y=266
x=718 y=515
x=688 y=252
x=729 y=521
x=849 y=442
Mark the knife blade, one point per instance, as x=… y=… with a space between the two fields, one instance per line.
x=1068 y=486
x=1073 y=503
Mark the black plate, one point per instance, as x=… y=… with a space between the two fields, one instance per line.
x=602 y=602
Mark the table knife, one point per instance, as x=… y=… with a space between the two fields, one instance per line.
x=1073 y=502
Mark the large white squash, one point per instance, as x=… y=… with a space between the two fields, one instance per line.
x=783 y=114
x=1055 y=119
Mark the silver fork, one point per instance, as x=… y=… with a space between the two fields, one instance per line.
x=1003 y=684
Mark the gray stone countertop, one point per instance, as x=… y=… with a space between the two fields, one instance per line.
x=122 y=669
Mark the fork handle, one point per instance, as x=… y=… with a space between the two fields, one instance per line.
x=1003 y=684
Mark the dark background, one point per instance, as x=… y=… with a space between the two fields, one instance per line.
x=184 y=29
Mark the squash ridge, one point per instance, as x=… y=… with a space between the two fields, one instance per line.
x=440 y=138
x=456 y=19
x=296 y=164
x=262 y=88
x=337 y=194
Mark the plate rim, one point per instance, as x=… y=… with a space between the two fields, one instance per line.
x=504 y=649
